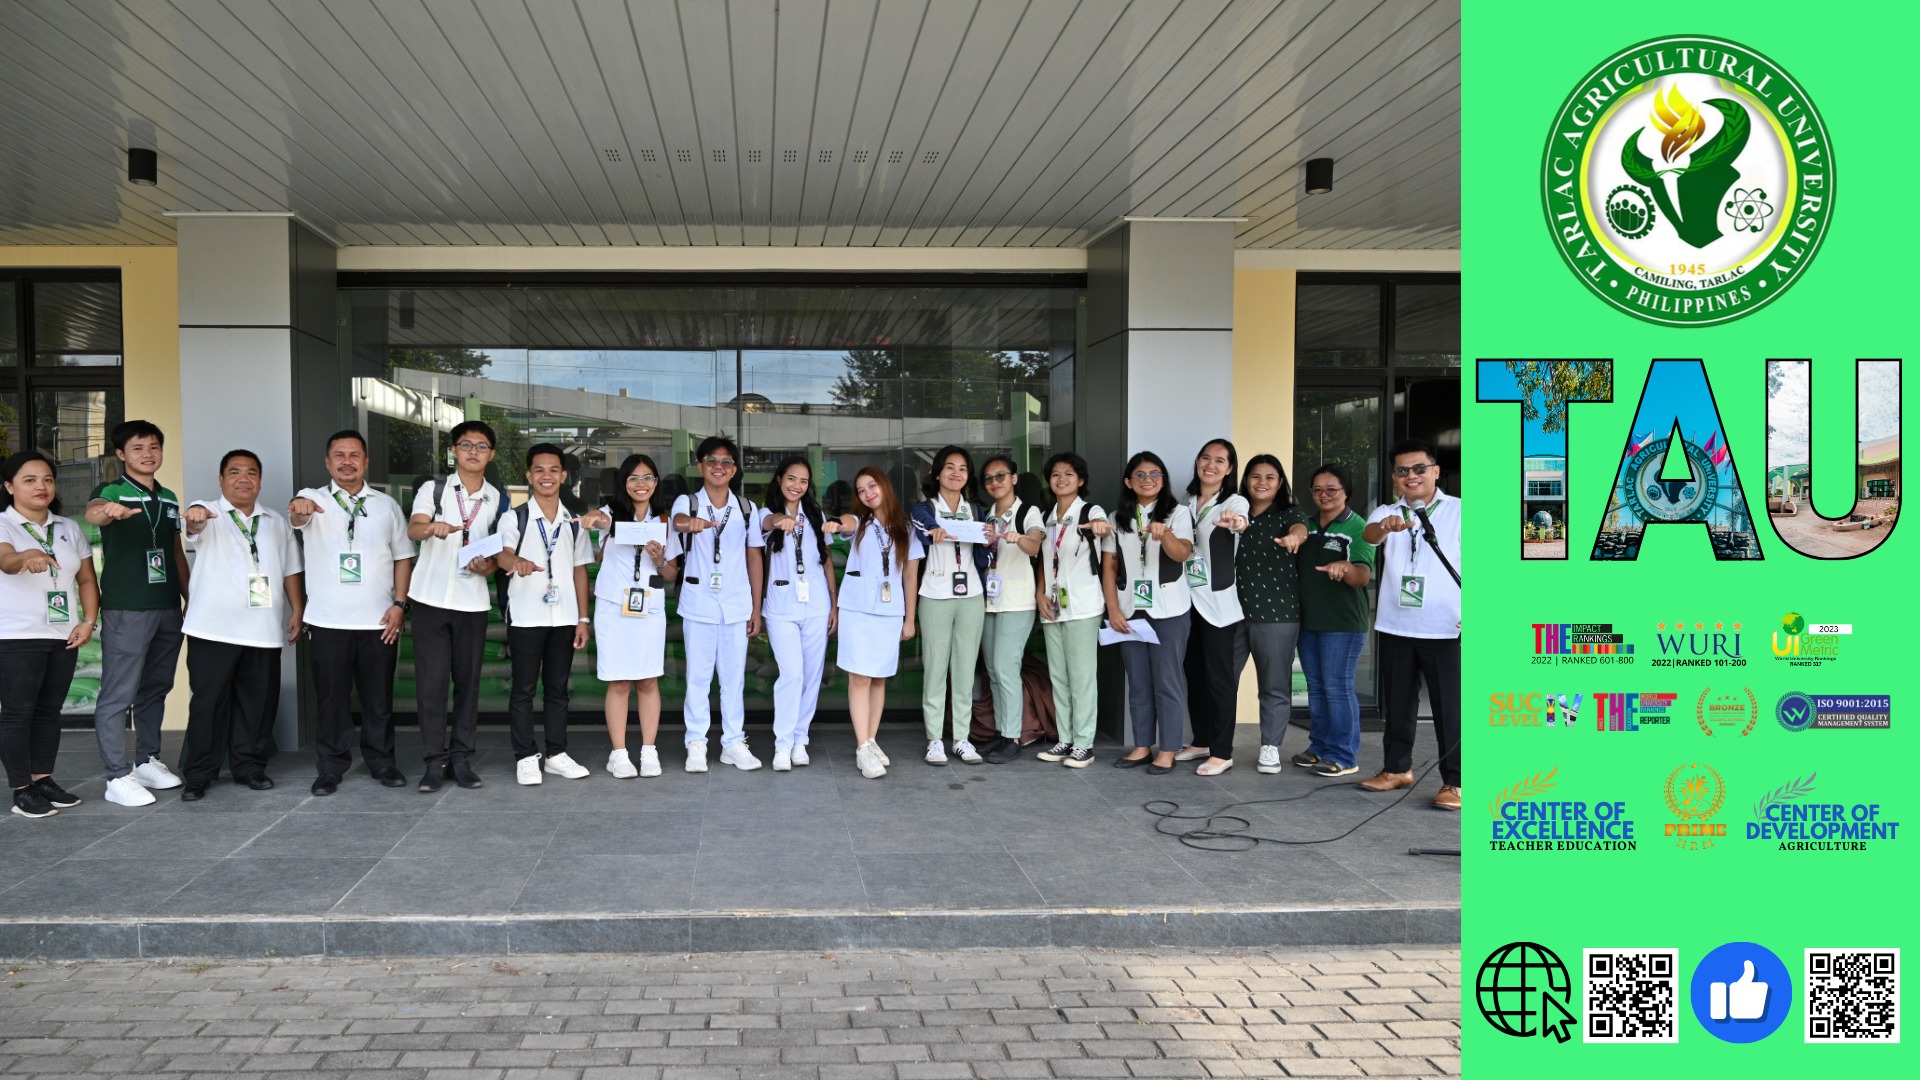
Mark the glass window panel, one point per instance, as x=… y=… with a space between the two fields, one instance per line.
x=10 y=422
x=76 y=323
x=9 y=325
x=1426 y=324
x=1338 y=325
x=72 y=426
x=1342 y=426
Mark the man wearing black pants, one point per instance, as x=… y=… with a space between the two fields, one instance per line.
x=245 y=562
x=1419 y=618
x=546 y=552
x=450 y=603
x=359 y=564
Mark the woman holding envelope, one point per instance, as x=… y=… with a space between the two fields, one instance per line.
x=1146 y=587
x=875 y=608
x=799 y=604
x=953 y=602
x=1071 y=603
x=630 y=611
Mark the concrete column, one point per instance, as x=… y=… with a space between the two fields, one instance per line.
x=259 y=370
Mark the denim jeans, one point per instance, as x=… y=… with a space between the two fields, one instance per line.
x=1330 y=659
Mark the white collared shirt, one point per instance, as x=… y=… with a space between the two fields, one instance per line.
x=873 y=562
x=1013 y=566
x=23 y=597
x=217 y=608
x=437 y=579
x=936 y=573
x=699 y=601
x=798 y=557
x=1222 y=607
x=526 y=596
x=617 y=562
x=1063 y=560
x=1405 y=554
x=379 y=539
x=1170 y=598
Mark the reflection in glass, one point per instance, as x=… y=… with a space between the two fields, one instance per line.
x=1338 y=325
x=1342 y=426
x=1426 y=324
x=72 y=425
x=76 y=323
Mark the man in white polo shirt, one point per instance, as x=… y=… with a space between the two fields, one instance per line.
x=1419 y=618
x=359 y=563
x=546 y=552
x=244 y=605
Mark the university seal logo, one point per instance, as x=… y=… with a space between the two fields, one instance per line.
x=1688 y=181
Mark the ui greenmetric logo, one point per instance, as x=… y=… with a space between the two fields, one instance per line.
x=1688 y=180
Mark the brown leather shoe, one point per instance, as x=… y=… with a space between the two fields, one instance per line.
x=1448 y=799
x=1388 y=781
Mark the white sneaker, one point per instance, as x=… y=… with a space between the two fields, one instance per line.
x=127 y=791
x=739 y=757
x=799 y=755
x=936 y=753
x=879 y=755
x=965 y=752
x=869 y=761
x=154 y=774
x=562 y=765
x=527 y=770
x=620 y=766
x=650 y=760
x=1269 y=760
x=782 y=761
x=696 y=757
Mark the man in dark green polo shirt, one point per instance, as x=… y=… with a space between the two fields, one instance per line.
x=142 y=580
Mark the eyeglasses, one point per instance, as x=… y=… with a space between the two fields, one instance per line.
x=718 y=462
x=1329 y=491
x=1417 y=470
x=1147 y=477
x=994 y=478
x=641 y=478
x=472 y=447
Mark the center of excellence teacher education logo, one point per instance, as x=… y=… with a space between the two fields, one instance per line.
x=1688 y=180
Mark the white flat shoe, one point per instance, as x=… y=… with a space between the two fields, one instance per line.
x=1210 y=769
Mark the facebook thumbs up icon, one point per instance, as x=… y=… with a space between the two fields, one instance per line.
x=1749 y=998
x=1741 y=992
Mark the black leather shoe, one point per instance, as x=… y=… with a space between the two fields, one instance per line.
x=1005 y=752
x=464 y=775
x=390 y=777
x=1159 y=770
x=262 y=782
x=1131 y=762
x=193 y=791
x=430 y=781
x=326 y=785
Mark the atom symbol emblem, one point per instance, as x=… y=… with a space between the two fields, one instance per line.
x=1749 y=210
x=1630 y=212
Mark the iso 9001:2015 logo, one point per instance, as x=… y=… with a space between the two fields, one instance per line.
x=1688 y=180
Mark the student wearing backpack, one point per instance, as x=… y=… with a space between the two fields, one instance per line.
x=719 y=602
x=1015 y=533
x=953 y=605
x=799 y=607
x=875 y=608
x=1145 y=582
x=450 y=603
x=1071 y=602
x=630 y=613
x=545 y=551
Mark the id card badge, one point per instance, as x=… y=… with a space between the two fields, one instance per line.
x=58 y=611
x=1142 y=595
x=551 y=596
x=1196 y=572
x=156 y=566
x=635 y=604
x=801 y=591
x=1413 y=591
x=959 y=583
x=1060 y=599
x=993 y=586
x=349 y=568
x=886 y=592
x=713 y=581
x=258 y=595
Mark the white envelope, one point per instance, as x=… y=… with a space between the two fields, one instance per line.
x=639 y=533
x=1136 y=631
x=482 y=548
x=966 y=532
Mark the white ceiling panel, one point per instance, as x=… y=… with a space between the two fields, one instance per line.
x=855 y=123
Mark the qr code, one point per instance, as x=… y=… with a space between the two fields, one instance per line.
x=1853 y=995
x=1630 y=996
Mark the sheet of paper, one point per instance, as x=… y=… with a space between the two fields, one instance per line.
x=966 y=532
x=639 y=533
x=482 y=548
x=1136 y=631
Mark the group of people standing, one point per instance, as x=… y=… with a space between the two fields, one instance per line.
x=1194 y=588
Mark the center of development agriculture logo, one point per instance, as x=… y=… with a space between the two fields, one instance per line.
x=1688 y=180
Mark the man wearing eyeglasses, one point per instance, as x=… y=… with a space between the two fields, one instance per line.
x=1418 y=618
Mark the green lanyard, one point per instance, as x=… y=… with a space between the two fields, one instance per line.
x=46 y=545
x=357 y=510
x=253 y=547
x=1140 y=525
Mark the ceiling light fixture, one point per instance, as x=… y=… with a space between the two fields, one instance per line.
x=1319 y=176
x=143 y=166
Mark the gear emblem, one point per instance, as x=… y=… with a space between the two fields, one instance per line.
x=1630 y=211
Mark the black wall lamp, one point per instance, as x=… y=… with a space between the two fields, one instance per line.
x=143 y=166
x=1319 y=176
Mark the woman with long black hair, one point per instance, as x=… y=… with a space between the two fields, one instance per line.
x=875 y=608
x=1217 y=651
x=1145 y=583
x=1268 y=580
x=630 y=611
x=1070 y=600
x=953 y=604
x=49 y=600
x=799 y=605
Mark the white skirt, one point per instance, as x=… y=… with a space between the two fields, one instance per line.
x=628 y=647
x=869 y=644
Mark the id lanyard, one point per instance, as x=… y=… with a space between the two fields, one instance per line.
x=801 y=590
x=153 y=512
x=1413 y=586
x=964 y=513
x=1059 y=538
x=548 y=544
x=1142 y=584
x=719 y=529
x=1196 y=562
x=467 y=517
x=257 y=594
x=881 y=537
x=636 y=602
x=57 y=608
x=358 y=510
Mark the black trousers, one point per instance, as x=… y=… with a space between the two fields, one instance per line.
x=448 y=644
x=1215 y=657
x=346 y=662
x=35 y=674
x=545 y=654
x=1404 y=662
x=236 y=695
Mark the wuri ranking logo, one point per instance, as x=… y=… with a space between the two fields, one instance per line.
x=1688 y=180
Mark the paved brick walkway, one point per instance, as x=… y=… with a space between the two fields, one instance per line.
x=974 y=1015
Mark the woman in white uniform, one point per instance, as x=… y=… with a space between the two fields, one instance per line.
x=876 y=606
x=799 y=605
x=1217 y=646
x=1146 y=585
x=630 y=612
x=953 y=605
x=1071 y=603
x=719 y=602
x=1014 y=535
